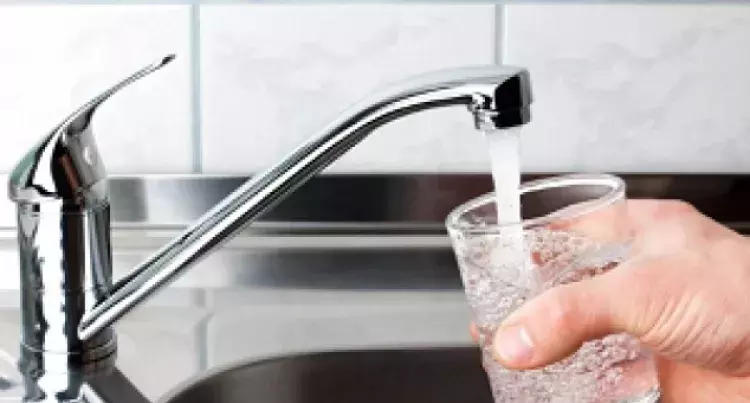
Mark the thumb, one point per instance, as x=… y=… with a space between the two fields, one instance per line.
x=555 y=324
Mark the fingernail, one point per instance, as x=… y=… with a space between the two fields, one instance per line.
x=513 y=345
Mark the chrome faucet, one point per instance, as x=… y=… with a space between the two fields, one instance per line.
x=68 y=297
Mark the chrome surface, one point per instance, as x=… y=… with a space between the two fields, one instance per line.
x=498 y=96
x=383 y=203
x=440 y=375
x=354 y=220
x=60 y=187
x=335 y=222
x=288 y=254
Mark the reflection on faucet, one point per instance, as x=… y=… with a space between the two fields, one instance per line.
x=68 y=298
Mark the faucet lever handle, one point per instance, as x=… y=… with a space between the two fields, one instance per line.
x=65 y=165
x=81 y=118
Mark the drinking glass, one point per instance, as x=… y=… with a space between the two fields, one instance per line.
x=573 y=227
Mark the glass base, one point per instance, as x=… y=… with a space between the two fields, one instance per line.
x=533 y=387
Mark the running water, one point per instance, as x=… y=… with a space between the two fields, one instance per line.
x=504 y=147
x=505 y=150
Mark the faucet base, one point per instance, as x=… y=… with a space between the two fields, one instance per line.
x=60 y=377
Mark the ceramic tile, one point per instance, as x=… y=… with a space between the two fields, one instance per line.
x=641 y=88
x=275 y=74
x=58 y=57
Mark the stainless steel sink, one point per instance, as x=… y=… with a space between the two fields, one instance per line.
x=437 y=375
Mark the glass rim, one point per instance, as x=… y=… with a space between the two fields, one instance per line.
x=615 y=193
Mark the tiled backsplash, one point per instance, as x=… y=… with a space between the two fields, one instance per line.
x=635 y=88
x=274 y=74
x=54 y=58
x=618 y=87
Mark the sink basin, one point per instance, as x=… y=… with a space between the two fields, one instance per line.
x=438 y=375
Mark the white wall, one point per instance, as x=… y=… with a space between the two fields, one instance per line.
x=653 y=88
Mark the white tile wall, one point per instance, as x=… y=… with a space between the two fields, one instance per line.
x=619 y=87
x=274 y=74
x=55 y=58
x=634 y=87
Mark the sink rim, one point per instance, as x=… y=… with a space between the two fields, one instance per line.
x=203 y=376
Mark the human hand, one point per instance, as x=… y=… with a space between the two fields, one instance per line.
x=685 y=293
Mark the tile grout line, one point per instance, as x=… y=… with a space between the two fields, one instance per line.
x=538 y=2
x=293 y=2
x=196 y=90
x=93 y=2
x=499 y=33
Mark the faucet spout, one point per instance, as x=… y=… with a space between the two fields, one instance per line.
x=498 y=96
